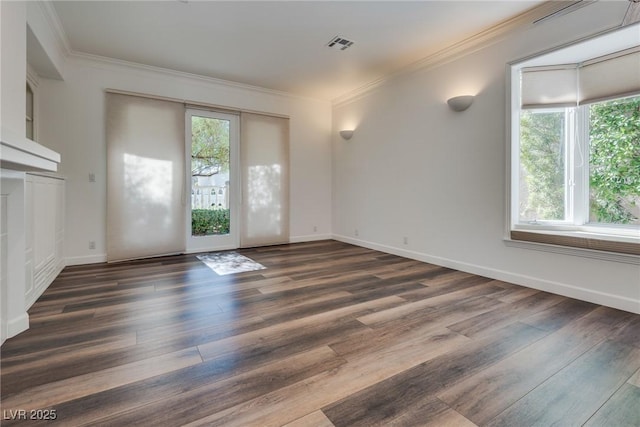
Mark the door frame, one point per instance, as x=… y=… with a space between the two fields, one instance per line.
x=215 y=242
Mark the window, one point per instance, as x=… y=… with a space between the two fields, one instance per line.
x=543 y=190
x=29 y=114
x=575 y=144
x=614 y=161
x=557 y=166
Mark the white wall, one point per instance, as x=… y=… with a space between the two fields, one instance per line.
x=72 y=116
x=16 y=151
x=416 y=169
x=13 y=72
x=13 y=40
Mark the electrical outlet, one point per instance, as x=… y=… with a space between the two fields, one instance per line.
x=92 y=244
x=315 y=228
x=405 y=240
x=356 y=233
x=92 y=177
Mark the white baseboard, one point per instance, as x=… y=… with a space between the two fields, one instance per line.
x=596 y=297
x=206 y=250
x=96 y=259
x=86 y=259
x=18 y=324
x=4 y=334
x=310 y=238
x=13 y=327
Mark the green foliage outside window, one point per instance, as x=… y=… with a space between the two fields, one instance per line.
x=614 y=160
x=206 y=222
x=542 y=157
x=209 y=146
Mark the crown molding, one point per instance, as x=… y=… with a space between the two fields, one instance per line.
x=106 y=62
x=457 y=50
x=55 y=24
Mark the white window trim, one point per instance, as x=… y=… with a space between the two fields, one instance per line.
x=589 y=231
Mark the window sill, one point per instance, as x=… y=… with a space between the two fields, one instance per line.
x=580 y=244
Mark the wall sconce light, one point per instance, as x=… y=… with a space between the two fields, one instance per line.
x=460 y=103
x=346 y=134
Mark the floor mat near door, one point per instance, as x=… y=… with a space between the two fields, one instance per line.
x=224 y=263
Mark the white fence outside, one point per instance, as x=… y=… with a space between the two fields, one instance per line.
x=210 y=197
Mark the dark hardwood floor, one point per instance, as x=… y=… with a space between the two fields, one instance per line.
x=328 y=334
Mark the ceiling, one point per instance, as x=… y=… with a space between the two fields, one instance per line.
x=279 y=45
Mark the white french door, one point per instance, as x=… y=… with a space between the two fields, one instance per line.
x=212 y=181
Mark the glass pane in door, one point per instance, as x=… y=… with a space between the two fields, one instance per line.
x=210 y=189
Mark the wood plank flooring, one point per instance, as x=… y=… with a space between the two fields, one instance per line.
x=328 y=334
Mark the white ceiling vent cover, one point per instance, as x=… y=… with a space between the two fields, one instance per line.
x=339 y=43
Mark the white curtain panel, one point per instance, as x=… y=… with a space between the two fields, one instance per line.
x=264 y=158
x=145 y=177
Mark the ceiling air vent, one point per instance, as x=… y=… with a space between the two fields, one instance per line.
x=339 y=43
